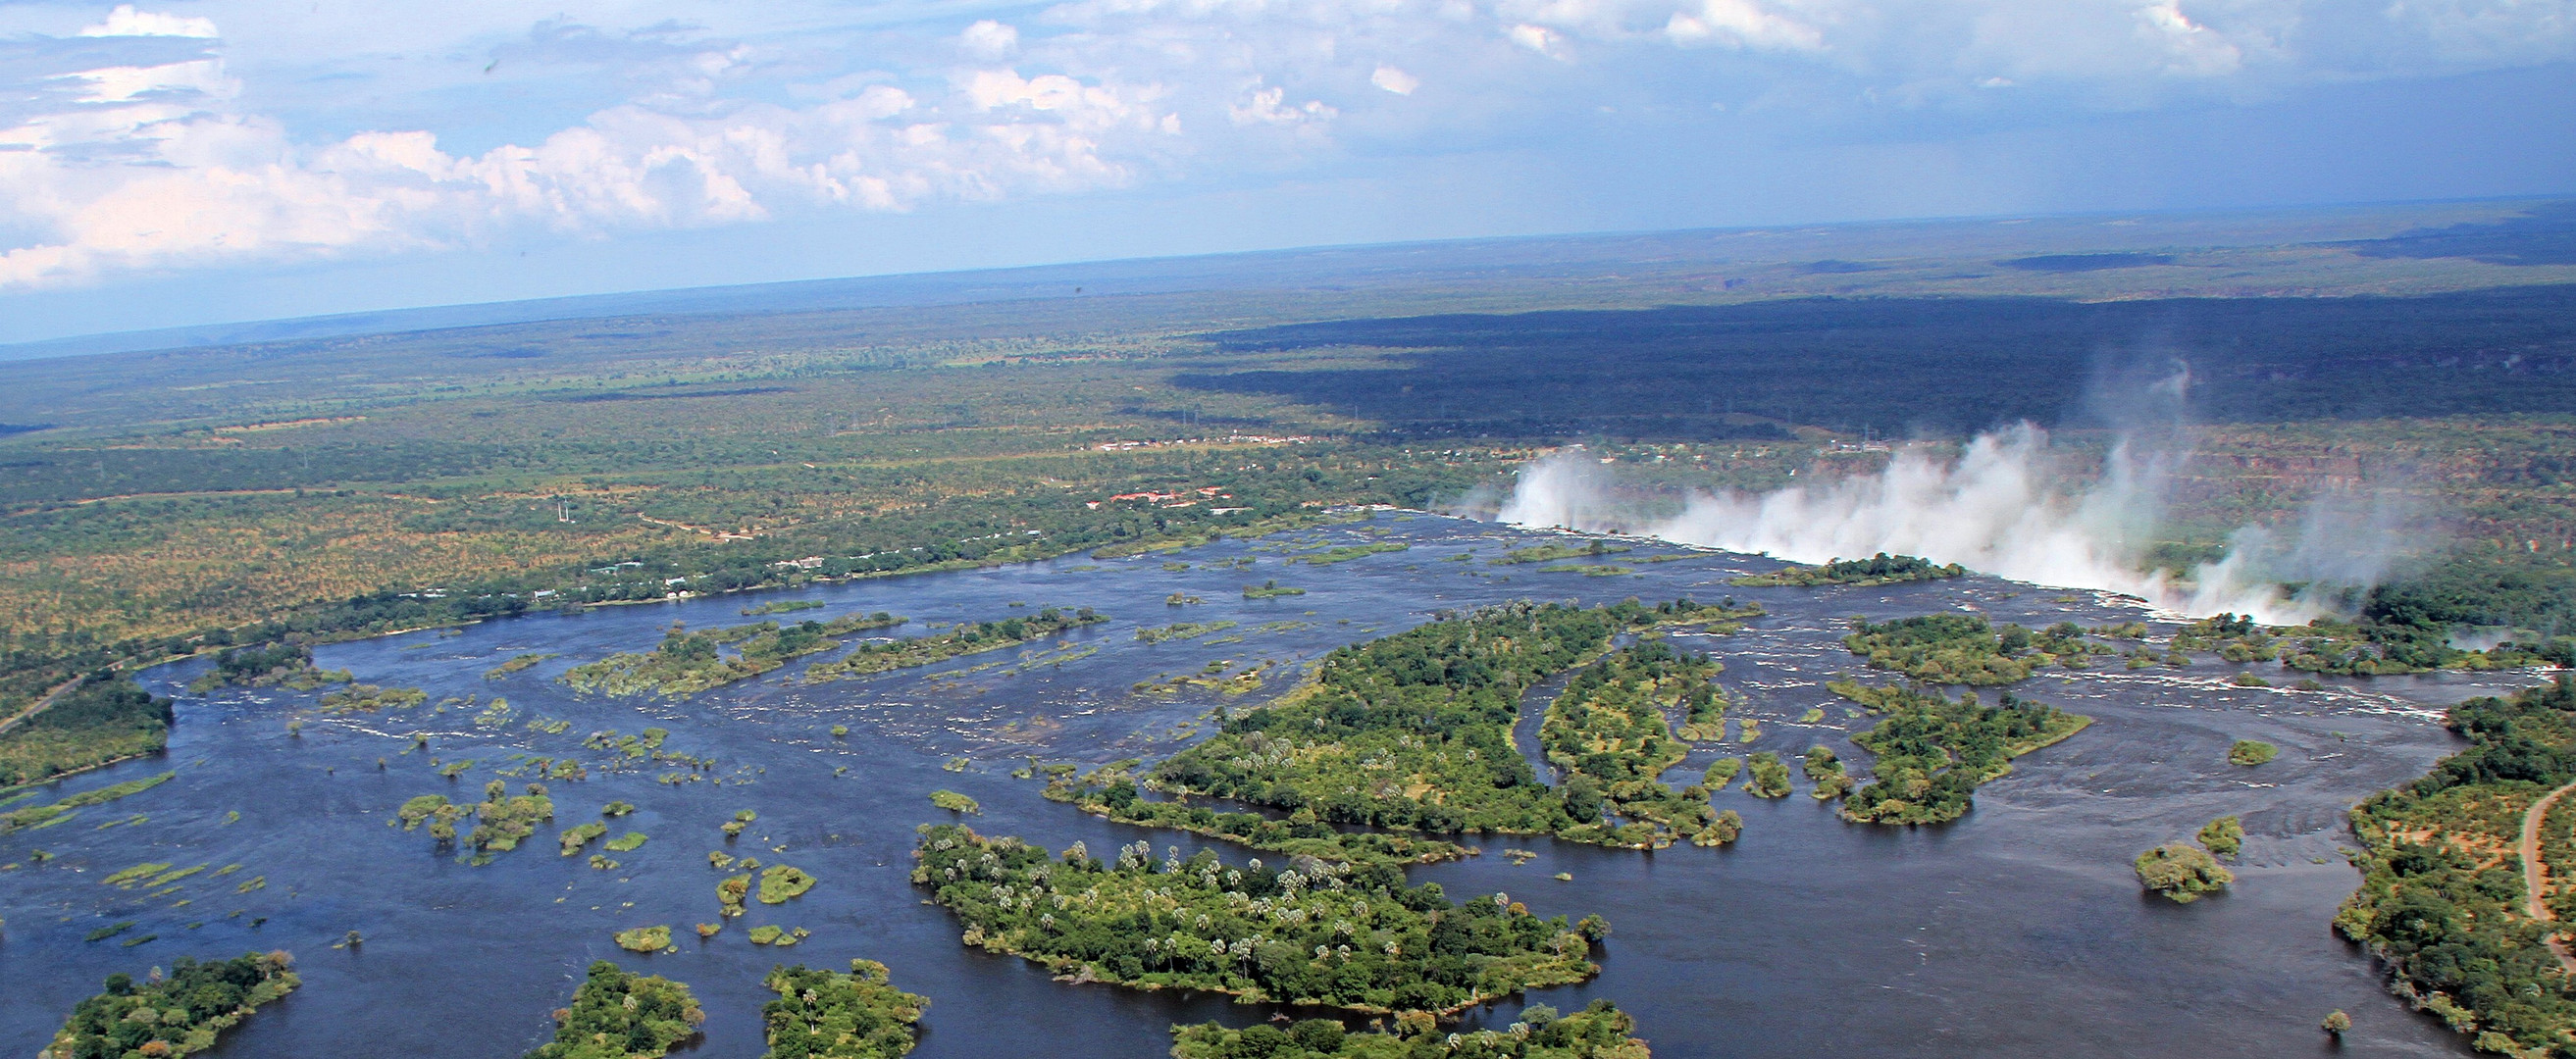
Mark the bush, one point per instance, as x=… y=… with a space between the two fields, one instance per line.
x=2224 y=836
x=2182 y=873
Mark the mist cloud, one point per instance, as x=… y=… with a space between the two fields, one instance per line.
x=2004 y=506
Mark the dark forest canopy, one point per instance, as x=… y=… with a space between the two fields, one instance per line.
x=1940 y=365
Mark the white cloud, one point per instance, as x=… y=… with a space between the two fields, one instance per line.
x=125 y=21
x=1394 y=80
x=1738 y=23
x=989 y=39
x=1269 y=106
x=2191 y=48
x=152 y=167
x=1539 y=39
x=645 y=113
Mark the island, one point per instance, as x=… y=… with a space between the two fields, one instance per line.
x=1932 y=752
x=1355 y=937
x=1599 y=1031
x=1880 y=569
x=829 y=1015
x=644 y=1016
x=182 y=1013
x=965 y=639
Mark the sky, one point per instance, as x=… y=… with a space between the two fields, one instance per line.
x=195 y=161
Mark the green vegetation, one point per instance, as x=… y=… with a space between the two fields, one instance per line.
x=579 y=835
x=304 y=492
x=613 y=810
x=1412 y=731
x=1599 y=1031
x=61 y=809
x=2181 y=872
x=1767 y=777
x=1112 y=791
x=2251 y=752
x=778 y=936
x=732 y=892
x=828 y=1015
x=2235 y=638
x=516 y=663
x=502 y=820
x=1959 y=649
x=1825 y=771
x=955 y=802
x=1270 y=590
x=964 y=639
x=779 y=883
x=645 y=939
x=1548 y=553
x=628 y=843
x=89 y=724
x=2223 y=837
x=783 y=606
x=368 y=698
x=280 y=665
x=2441 y=900
x=1338 y=935
x=1586 y=569
x=620 y=1015
x=1720 y=773
x=1188 y=630
x=1349 y=552
x=1607 y=736
x=1933 y=753
x=1880 y=569
x=690 y=662
x=180 y=1014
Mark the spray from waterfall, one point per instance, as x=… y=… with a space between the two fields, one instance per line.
x=2004 y=506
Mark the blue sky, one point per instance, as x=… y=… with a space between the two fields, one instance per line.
x=183 y=162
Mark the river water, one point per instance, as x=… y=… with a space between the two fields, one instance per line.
x=2016 y=931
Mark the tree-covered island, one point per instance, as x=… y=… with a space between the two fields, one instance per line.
x=690 y=662
x=823 y=1014
x=1880 y=569
x=1413 y=731
x=965 y=639
x=1599 y=1031
x=617 y=1014
x=1336 y=935
x=181 y=1013
x=1931 y=753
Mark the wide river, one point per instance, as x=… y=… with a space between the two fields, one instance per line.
x=2018 y=931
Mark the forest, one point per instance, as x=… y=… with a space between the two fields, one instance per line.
x=618 y=1014
x=1609 y=739
x=689 y=662
x=1112 y=791
x=1879 y=569
x=1943 y=367
x=1428 y=710
x=1931 y=753
x=2441 y=897
x=823 y=1014
x=1599 y=1031
x=181 y=1013
x=1351 y=936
